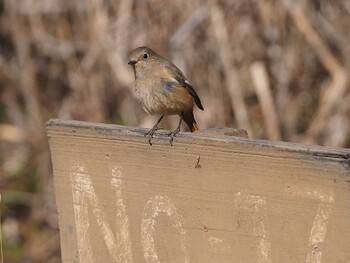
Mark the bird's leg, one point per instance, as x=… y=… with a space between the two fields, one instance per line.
x=176 y=131
x=152 y=131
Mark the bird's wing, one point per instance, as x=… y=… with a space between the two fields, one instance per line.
x=179 y=76
x=193 y=93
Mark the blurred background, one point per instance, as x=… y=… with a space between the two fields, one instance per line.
x=278 y=69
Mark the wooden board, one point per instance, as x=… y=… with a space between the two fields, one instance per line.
x=208 y=198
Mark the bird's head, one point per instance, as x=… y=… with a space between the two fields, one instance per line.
x=143 y=57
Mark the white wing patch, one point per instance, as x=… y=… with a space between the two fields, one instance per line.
x=186 y=81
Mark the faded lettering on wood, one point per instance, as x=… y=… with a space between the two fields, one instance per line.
x=208 y=198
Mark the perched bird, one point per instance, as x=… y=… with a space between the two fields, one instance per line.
x=163 y=89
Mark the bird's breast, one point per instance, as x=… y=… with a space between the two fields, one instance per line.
x=159 y=99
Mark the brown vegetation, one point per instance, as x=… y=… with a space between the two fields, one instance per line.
x=276 y=68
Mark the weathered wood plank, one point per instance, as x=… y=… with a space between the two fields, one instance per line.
x=208 y=198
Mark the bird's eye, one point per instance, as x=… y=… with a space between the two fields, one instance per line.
x=145 y=56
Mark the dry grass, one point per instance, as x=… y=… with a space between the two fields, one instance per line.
x=276 y=68
x=1 y=250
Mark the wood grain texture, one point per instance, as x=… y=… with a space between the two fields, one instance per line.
x=208 y=198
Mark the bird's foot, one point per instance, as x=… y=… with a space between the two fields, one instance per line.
x=150 y=133
x=173 y=134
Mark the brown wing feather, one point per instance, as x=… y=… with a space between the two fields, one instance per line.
x=179 y=76
x=193 y=93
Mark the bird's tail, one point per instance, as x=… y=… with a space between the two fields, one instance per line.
x=188 y=117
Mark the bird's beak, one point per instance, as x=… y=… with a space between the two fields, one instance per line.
x=132 y=62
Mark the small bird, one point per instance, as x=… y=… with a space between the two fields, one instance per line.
x=163 y=89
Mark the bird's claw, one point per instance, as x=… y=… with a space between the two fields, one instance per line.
x=151 y=132
x=172 y=135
